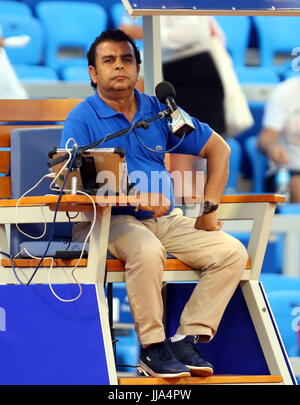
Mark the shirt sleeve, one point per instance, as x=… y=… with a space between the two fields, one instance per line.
x=275 y=111
x=193 y=142
x=182 y=32
x=77 y=130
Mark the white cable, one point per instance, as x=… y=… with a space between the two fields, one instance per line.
x=86 y=238
x=80 y=257
x=65 y=165
x=49 y=276
x=28 y=254
x=56 y=295
x=17 y=205
x=15 y=268
x=39 y=181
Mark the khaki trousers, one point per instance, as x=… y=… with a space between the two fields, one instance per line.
x=143 y=246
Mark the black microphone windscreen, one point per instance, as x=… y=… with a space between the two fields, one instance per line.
x=164 y=90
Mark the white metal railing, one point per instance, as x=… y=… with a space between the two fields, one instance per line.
x=287 y=224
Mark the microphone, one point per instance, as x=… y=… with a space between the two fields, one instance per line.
x=179 y=121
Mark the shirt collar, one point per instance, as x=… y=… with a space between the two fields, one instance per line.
x=105 y=111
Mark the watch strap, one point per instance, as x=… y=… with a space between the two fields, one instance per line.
x=209 y=207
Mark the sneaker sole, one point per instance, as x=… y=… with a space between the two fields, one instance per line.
x=154 y=374
x=200 y=371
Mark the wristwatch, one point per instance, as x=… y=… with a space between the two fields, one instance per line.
x=208 y=207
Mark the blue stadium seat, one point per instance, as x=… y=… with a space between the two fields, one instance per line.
x=14 y=7
x=30 y=54
x=237 y=31
x=26 y=143
x=285 y=305
x=103 y=3
x=278 y=282
x=33 y=73
x=276 y=35
x=290 y=208
x=70 y=29
x=256 y=74
x=31 y=4
x=273 y=258
x=119 y=16
x=259 y=164
x=75 y=74
x=257 y=110
x=234 y=165
x=289 y=73
x=107 y=3
x=127 y=350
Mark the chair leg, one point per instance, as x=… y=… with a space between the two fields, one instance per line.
x=110 y=315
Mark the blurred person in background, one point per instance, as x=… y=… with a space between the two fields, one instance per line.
x=280 y=139
x=188 y=65
x=10 y=85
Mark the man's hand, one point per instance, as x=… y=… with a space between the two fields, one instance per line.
x=155 y=202
x=268 y=143
x=1 y=42
x=278 y=154
x=209 y=222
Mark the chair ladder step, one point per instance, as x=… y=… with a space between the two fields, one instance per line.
x=215 y=379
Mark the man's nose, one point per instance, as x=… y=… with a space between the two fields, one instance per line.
x=119 y=63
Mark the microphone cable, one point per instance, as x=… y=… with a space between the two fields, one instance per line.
x=159 y=151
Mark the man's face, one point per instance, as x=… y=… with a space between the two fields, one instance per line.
x=116 y=68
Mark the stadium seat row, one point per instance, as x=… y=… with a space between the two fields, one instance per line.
x=61 y=32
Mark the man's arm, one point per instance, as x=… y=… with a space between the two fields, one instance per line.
x=134 y=30
x=267 y=143
x=155 y=202
x=217 y=153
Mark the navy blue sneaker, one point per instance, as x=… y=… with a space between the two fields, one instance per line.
x=158 y=360
x=185 y=350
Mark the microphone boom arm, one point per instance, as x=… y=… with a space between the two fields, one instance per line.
x=82 y=149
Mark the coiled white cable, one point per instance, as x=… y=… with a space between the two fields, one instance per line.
x=65 y=165
x=17 y=205
x=51 y=175
x=80 y=257
x=55 y=177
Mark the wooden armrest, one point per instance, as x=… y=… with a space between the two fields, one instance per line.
x=242 y=198
x=36 y=110
x=253 y=198
x=79 y=199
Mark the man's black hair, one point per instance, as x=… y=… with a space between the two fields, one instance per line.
x=114 y=36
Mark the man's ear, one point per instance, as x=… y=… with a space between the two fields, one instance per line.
x=93 y=74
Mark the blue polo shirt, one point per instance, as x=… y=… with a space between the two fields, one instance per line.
x=93 y=119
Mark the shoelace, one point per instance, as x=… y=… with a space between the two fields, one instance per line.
x=165 y=353
x=195 y=339
x=191 y=346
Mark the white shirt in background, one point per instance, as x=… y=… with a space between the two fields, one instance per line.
x=282 y=114
x=184 y=36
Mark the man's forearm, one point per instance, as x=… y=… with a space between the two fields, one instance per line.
x=215 y=186
x=267 y=140
x=217 y=175
x=266 y=145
